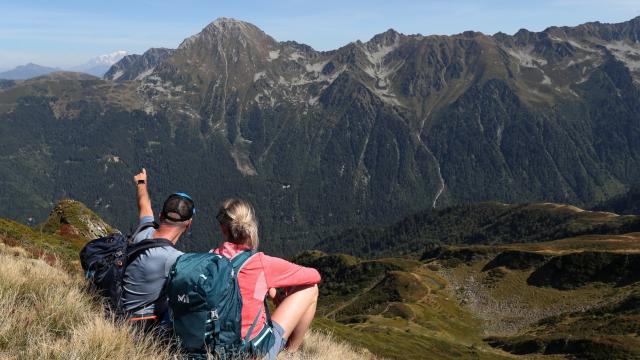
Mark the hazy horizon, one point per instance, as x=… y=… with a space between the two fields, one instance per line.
x=69 y=34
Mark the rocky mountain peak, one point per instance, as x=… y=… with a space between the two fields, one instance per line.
x=225 y=23
x=227 y=29
x=386 y=38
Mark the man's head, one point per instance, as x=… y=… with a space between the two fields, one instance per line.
x=178 y=210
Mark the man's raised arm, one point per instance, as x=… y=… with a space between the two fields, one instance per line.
x=144 y=202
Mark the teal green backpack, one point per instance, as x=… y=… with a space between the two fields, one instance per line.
x=205 y=300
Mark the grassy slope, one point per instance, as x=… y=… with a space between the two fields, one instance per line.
x=396 y=308
x=53 y=248
x=585 y=320
x=53 y=317
x=453 y=306
x=59 y=240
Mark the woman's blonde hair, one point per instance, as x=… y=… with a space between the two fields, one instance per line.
x=240 y=218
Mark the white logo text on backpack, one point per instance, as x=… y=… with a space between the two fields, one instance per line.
x=184 y=298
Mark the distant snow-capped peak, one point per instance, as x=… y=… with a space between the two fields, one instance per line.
x=108 y=59
x=100 y=64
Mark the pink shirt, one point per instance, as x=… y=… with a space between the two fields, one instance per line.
x=258 y=275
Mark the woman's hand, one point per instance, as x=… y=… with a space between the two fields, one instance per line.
x=272 y=293
x=277 y=295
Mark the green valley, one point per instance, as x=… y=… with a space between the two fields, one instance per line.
x=534 y=297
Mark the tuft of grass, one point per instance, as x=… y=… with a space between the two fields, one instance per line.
x=322 y=345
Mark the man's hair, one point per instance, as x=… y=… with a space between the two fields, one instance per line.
x=178 y=207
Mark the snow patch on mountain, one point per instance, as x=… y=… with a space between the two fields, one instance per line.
x=118 y=74
x=377 y=56
x=626 y=53
x=259 y=75
x=273 y=55
x=296 y=56
x=143 y=74
x=526 y=57
x=316 y=67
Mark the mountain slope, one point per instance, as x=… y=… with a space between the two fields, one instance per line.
x=320 y=141
x=136 y=67
x=39 y=270
x=626 y=203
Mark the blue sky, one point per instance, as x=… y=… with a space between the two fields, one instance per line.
x=68 y=33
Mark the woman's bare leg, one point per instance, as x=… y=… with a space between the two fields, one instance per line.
x=297 y=335
x=295 y=314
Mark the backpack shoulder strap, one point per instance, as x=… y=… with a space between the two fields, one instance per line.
x=138 y=248
x=240 y=259
x=142 y=227
x=237 y=262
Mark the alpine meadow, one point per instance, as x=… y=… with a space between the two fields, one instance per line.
x=466 y=196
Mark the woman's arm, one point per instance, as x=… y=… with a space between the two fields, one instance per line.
x=280 y=273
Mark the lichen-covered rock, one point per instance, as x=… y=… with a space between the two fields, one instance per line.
x=73 y=218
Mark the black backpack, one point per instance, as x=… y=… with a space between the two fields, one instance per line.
x=104 y=261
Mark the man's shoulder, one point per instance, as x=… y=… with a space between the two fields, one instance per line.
x=164 y=251
x=146 y=233
x=163 y=256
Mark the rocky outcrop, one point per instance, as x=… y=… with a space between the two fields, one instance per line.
x=72 y=218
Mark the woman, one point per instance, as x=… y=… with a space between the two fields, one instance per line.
x=261 y=275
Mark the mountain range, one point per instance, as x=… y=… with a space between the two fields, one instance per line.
x=97 y=66
x=27 y=71
x=324 y=141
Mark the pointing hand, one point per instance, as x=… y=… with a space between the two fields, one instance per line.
x=141 y=178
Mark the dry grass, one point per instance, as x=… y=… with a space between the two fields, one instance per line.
x=323 y=346
x=13 y=250
x=46 y=314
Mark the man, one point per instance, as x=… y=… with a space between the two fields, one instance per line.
x=145 y=277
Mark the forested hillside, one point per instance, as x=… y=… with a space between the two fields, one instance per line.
x=323 y=141
x=477 y=224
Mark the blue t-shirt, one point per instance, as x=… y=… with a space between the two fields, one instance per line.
x=146 y=275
